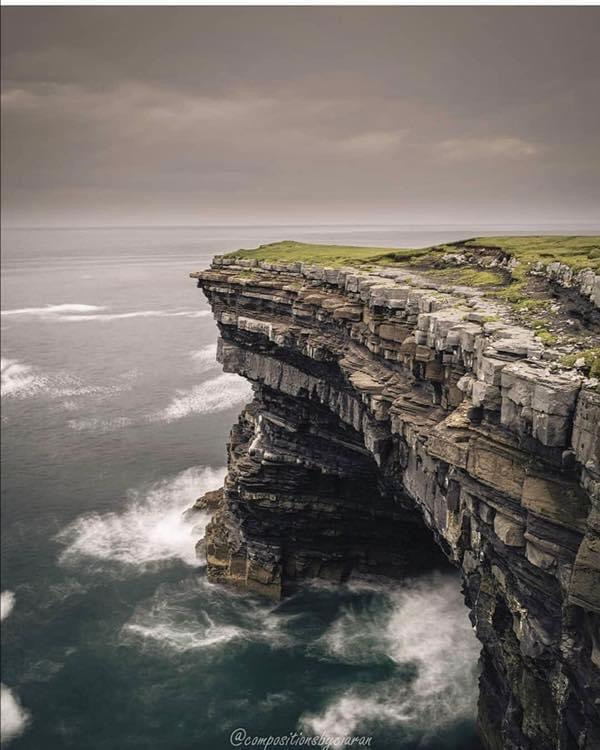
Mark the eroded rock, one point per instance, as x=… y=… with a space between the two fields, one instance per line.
x=388 y=414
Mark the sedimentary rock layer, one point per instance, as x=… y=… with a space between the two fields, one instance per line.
x=391 y=420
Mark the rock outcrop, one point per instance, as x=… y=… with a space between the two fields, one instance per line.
x=585 y=282
x=393 y=421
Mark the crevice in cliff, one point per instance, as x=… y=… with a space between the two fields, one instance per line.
x=309 y=501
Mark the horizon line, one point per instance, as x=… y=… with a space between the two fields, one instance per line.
x=378 y=225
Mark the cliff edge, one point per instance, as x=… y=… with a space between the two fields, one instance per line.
x=409 y=408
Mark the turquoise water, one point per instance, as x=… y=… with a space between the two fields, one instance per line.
x=114 y=419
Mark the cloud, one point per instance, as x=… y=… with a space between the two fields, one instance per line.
x=372 y=143
x=204 y=114
x=502 y=147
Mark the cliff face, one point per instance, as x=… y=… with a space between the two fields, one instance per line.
x=392 y=424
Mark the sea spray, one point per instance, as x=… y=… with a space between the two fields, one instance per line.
x=13 y=717
x=151 y=530
x=421 y=625
x=7 y=602
x=222 y=392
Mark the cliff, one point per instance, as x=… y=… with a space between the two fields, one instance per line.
x=400 y=418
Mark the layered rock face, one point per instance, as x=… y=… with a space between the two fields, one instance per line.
x=392 y=423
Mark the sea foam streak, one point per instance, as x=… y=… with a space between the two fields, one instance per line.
x=77 y=313
x=97 y=424
x=223 y=392
x=105 y=317
x=51 y=310
x=426 y=626
x=19 y=380
x=169 y=621
x=194 y=614
x=150 y=530
x=13 y=717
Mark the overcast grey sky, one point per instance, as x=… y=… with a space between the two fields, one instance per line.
x=204 y=115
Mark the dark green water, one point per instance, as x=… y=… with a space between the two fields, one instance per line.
x=114 y=419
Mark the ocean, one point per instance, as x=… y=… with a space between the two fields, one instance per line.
x=115 y=417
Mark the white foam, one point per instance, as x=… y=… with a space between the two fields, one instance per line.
x=150 y=530
x=97 y=424
x=105 y=317
x=217 y=394
x=354 y=638
x=77 y=313
x=179 y=632
x=18 y=380
x=7 y=602
x=51 y=310
x=426 y=626
x=63 y=385
x=194 y=614
x=14 y=718
x=176 y=619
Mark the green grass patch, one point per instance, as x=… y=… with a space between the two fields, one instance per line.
x=531 y=304
x=543 y=334
x=514 y=293
x=547 y=338
x=468 y=276
x=591 y=358
x=330 y=255
x=577 y=252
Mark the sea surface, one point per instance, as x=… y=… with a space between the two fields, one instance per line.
x=115 y=417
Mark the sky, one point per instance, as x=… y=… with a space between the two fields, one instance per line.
x=234 y=115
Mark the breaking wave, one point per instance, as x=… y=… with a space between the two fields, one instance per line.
x=217 y=394
x=150 y=531
x=425 y=627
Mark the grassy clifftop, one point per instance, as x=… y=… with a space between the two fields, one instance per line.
x=502 y=267
x=330 y=255
x=577 y=252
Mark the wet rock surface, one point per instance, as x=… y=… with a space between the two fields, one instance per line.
x=396 y=423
